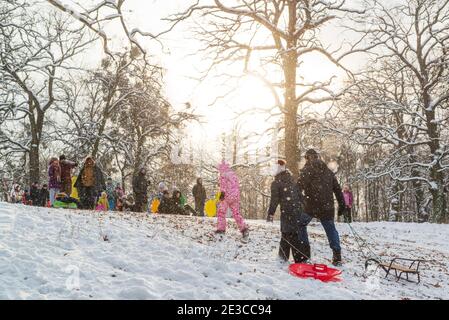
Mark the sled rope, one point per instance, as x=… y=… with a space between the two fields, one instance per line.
x=362 y=244
x=294 y=248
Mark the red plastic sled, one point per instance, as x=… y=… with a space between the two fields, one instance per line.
x=315 y=271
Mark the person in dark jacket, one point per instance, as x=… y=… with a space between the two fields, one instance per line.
x=167 y=205
x=181 y=208
x=140 y=190
x=128 y=204
x=66 y=174
x=199 y=194
x=285 y=192
x=172 y=204
x=90 y=184
x=34 y=194
x=26 y=198
x=44 y=196
x=319 y=185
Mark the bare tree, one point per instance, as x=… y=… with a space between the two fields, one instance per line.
x=416 y=34
x=381 y=112
x=101 y=12
x=119 y=115
x=34 y=50
x=274 y=36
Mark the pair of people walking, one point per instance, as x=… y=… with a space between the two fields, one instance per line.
x=312 y=196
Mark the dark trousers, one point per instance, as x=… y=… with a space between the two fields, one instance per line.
x=329 y=228
x=66 y=187
x=290 y=242
x=189 y=209
x=141 y=201
x=347 y=215
x=88 y=197
x=199 y=208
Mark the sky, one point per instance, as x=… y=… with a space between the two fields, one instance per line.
x=182 y=60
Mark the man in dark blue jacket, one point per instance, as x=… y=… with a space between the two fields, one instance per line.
x=319 y=185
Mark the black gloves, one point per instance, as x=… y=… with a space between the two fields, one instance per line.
x=222 y=195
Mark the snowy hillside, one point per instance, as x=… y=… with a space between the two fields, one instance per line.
x=56 y=254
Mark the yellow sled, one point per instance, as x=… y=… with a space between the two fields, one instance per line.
x=74 y=193
x=155 y=205
x=210 y=208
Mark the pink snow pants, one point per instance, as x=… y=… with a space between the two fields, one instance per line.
x=221 y=214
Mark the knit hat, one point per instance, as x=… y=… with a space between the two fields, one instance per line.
x=162 y=187
x=223 y=167
x=281 y=166
x=311 y=154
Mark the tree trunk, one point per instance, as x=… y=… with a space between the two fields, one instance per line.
x=439 y=204
x=34 y=166
x=291 y=106
x=96 y=146
x=36 y=125
x=393 y=214
x=439 y=209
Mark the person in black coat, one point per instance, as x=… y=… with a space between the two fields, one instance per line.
x=34 y=194
x=181 y=209
x=319 y=185
x=140 y=190
x=44 y=196
x=285 y=192
x=167 y=204
x=199 y=194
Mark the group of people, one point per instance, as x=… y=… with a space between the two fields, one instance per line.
x=311 y=196
x=89 y=184
x=37 y=195
x=96 y=193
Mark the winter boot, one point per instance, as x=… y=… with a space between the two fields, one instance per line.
x=305 y=253
x=220 y=231
x=245 y=233
x=302 y=255
x=336 y=259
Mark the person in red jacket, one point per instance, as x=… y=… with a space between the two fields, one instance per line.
x=66 y=174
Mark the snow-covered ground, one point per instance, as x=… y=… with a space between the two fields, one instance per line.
x=57 y=254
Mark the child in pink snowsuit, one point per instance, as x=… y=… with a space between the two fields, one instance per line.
x=230 y=191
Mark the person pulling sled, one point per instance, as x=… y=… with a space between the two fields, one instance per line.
x=319 y=185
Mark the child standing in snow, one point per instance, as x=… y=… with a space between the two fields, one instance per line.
x=103 y=203
x=285 y=193
x=110 y=189
x=16 y=194
x=349 y=199
x=44 y=196
x=229 y=198
x=54 y=179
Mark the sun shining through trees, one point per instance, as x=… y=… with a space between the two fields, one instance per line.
x=131 y=131
x=248 y=81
